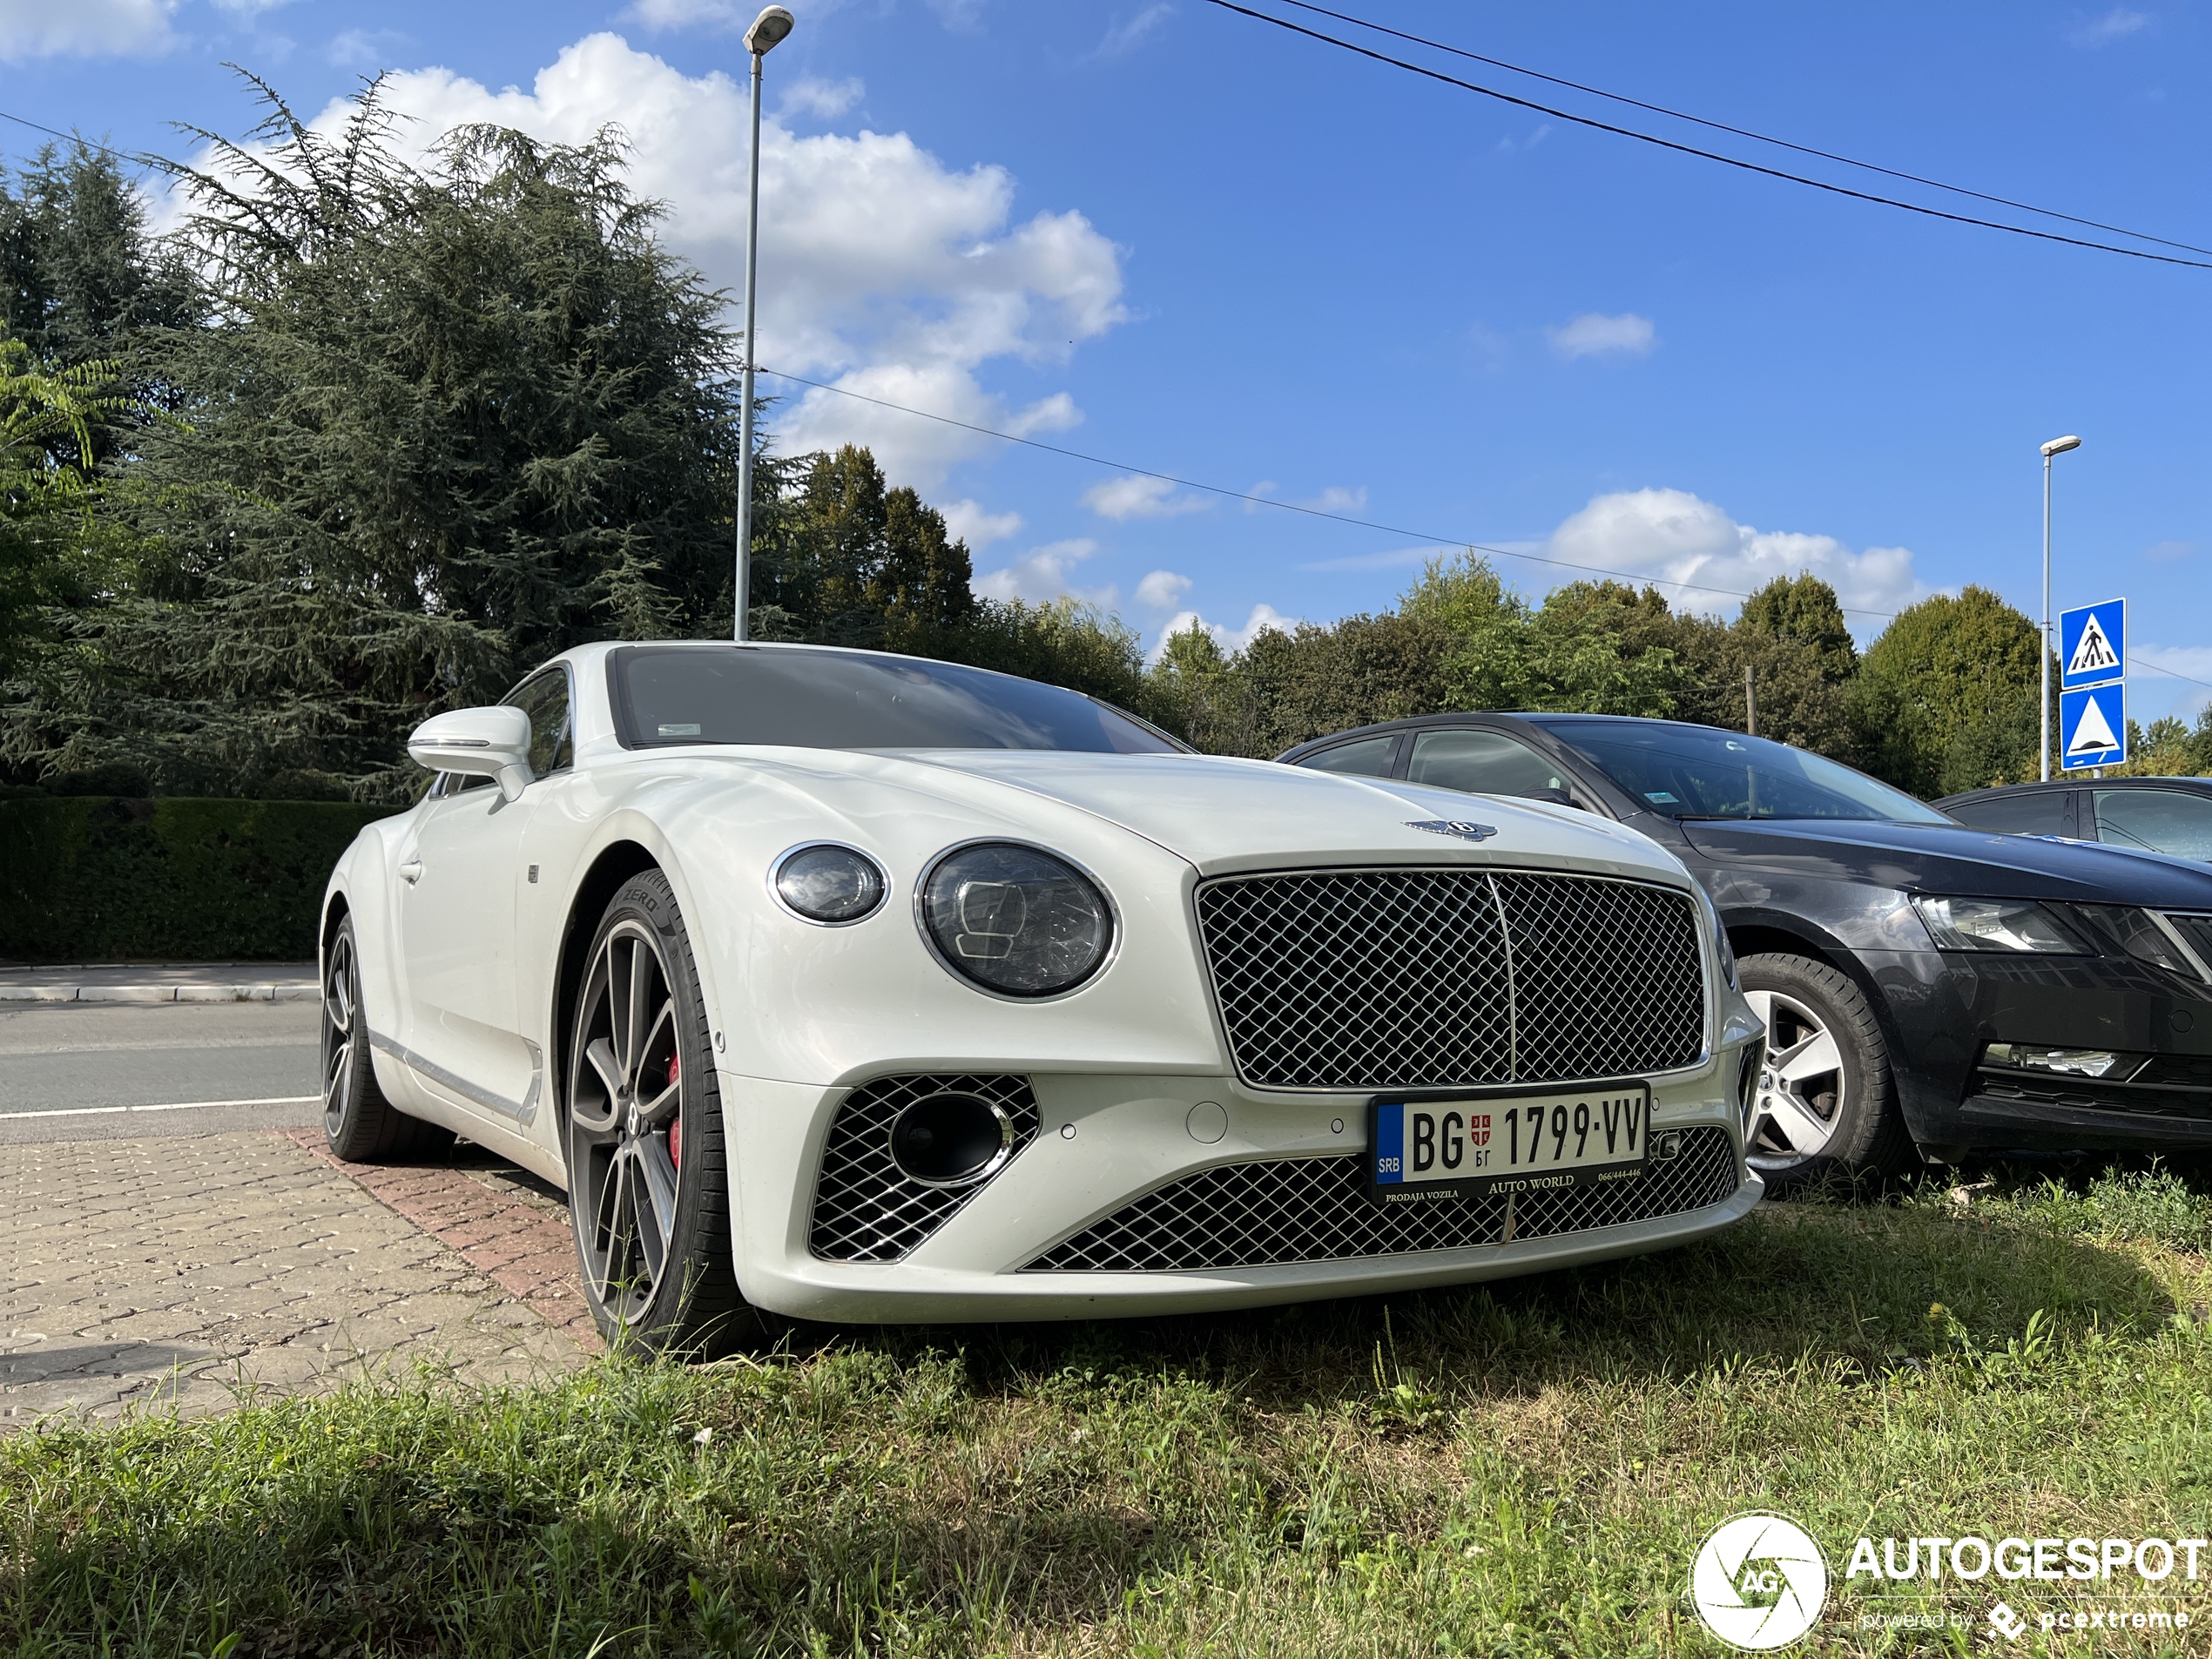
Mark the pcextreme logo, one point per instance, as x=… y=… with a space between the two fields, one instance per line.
x=1759 y=1581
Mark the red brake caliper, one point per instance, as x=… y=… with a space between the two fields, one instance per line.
x=676 y=1123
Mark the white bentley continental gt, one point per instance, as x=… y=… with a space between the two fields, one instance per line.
x=856 y=987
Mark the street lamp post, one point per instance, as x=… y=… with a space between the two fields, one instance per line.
x=767 y=32
x=2056 y=447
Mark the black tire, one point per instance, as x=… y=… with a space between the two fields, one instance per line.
x=357 y=1123
x=650 y=1211
x=1854 y=1101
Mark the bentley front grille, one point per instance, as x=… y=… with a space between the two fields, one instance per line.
x=868 y=1210
x=1445 y=978
x=1283 y=1210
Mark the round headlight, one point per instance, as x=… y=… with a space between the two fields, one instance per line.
x=1016 y=920
x=829 y=885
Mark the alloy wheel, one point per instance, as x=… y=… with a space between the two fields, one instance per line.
x=339 y=1002
x=625 y=1118
x=1802 y=1084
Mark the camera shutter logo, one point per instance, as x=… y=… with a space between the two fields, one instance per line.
x=1759 y=1582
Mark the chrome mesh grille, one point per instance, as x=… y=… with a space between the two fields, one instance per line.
x=1316 y=1209
x=868 y=1210
x=1446 y=978
x=1702 y=1173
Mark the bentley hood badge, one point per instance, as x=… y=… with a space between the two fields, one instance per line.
x=1460 y=827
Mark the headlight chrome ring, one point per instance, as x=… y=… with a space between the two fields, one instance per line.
x=826 y=884
x=1015 y=921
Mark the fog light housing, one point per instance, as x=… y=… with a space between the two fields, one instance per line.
x=2064 y=1063
x=951 y=1140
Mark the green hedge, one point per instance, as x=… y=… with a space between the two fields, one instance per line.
x=103 y=879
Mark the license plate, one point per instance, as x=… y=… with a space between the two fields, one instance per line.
x=1476 y=1144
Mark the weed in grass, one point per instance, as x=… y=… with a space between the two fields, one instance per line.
x=1523 y=1468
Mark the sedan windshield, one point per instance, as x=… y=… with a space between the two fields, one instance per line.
x=1680 y=771
x=811 y=698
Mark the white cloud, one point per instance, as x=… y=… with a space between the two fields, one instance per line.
x=1391 y=559
x=1266 y=486
x=1137 y=496
x=810 y=95
x=2193 y=662
x=2116 y=24
x=249 y=8
x=1337 y=499
x=959 y=14
x=1593 y=334
x=1264 y=619
x=1507 y=146
x=970 y=522
x=660 y=14
x=1162 y=590
x=1044 y=575
x=89 y=29
x=882 y=270
x=1123 y=38
x=1670 y=538
x=2168 y=552
x=366 y=48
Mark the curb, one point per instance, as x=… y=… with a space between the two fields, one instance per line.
x=287 y=992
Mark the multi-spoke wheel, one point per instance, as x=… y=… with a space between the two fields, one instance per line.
x=358 y=1122
x=1825 y=1102
x=648 y=1185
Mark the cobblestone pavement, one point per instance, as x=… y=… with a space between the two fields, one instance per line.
x=197 y=1271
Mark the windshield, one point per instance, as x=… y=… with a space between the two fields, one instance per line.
x=1701 y=772
x=807 y=698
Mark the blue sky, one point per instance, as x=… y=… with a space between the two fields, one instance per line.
x=1165 y=235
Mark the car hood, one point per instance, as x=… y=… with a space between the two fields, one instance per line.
x=1943 y=858
x=1226 y=815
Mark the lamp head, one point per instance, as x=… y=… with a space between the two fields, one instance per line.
x=768 y=30
x=2059 y=445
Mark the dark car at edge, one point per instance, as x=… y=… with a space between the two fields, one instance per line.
x=1926 y=985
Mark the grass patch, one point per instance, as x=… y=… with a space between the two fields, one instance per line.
x=1520 y=1468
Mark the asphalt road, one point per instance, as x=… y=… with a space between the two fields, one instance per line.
x=85 y=1071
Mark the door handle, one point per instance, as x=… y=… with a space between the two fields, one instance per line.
x=411 y=871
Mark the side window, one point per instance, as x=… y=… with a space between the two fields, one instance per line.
x=1369 y=758
x=2159 y=820
x=1483 y=763
x=2035 y=811
x=545 y=699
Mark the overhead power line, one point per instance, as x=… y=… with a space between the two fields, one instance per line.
x=136 y=157
x=1705 y=155
x=1317 y=512
x=1741 y=132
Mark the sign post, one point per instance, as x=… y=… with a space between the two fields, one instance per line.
x=2093 y=686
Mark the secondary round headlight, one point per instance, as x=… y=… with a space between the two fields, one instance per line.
x=830 y=885
x=1016 y=920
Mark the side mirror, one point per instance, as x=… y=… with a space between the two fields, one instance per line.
x=477 y=742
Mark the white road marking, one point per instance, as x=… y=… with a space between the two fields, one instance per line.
x=173 y=1106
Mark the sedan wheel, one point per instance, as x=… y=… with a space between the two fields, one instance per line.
x=648 y=1183
x=360 y=1124
x=1826 y=1103
x=1802 y=1086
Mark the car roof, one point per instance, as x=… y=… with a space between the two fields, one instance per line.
x=2195 y=786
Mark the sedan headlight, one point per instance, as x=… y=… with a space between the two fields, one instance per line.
x=1015 y=920
x=1996 y=924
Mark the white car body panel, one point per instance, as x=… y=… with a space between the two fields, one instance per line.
x=460 y=986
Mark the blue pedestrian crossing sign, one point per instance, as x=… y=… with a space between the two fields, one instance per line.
x=2093 y=726
x=2093 y=645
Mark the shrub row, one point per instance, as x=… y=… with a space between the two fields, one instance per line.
x=111 y=878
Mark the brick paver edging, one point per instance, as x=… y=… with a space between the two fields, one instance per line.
x=519 y=1247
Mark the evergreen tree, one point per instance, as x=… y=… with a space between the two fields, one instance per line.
x=449 y=421
x=853 y=561
x=1803 y=607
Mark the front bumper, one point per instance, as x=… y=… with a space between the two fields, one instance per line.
x=1104 y=1142
x=1946 y=1008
